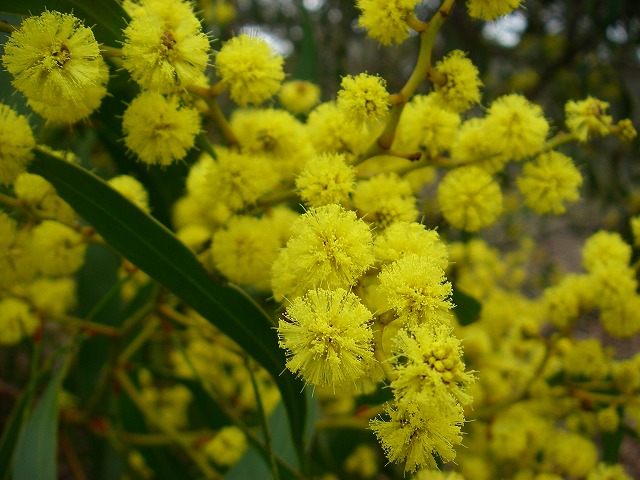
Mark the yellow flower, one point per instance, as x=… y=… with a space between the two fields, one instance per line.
x=244 y=250
x=587 y=118
x=386 y=20
x=17 y=142
x=227 y=447
x=132 y=190
x=158 y=129
x=55 y=61
x=604 y=248
x=516 y=126
x=427 y=126
x=40 y=195
x=327 y=336
x=275 y=135
x=429 y=365
x=251 y=69
x=56 y=248
x=405 y=238
x=299 y=96
x=325 y=179
x=164 y=46
x=491 y=9
x=331 y=132
x=16 y=321
x=330 y=248
x=417 y=289
x=469 y=198
x=385 y=199
x=474 y=143
x=235 y=179
x=417 y=433
x=549 y=182
x=363 y=98
x=461 y=87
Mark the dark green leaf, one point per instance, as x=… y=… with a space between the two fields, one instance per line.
x=255 y=464
x=467 y=308
x=611 y=442
x=35 y=456
x=106 y=17
x=156 y=251
x=12 y=429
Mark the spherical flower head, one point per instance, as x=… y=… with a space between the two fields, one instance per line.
x=164 y=46
x=488 y=10
x=83 y=106
x=16 y=321
x=625 y=130
x=16 y=263
x=54 y=59
x=41 y=196
x=158 y=129
x=57 y=249
x=426 y=126
x=363 y=98
x=17 y=143
x=474 y=143
x=325 y=179
x=429 y=365
x=570 y=454
x=236 y=179
x=384 y=200
x=227 y=447
x=417 y=290
x=330 y=248
x=132 y=190
x=386 y=20
x=517 y=126
x=587 y=118
x=622 y=319
x=362 y=462
x=331 y=132
x=52 y=296
x=469 y=198
x=244 y=250
x=299 y=96
x=418 y=433
x=603 y=248
x=276 y=135
x=460 y=86
x=605 y=471
x=405 y=238
x=549 y=183
x=565 y=301
x=328 y=338
x=251 y=69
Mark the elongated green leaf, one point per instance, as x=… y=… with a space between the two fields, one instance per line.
x=106 y=17
x=35 y=456
x=155 y=250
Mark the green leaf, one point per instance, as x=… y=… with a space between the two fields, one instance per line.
x=35 y=456
x=254 y=464
x=156 y=251
x=106 y=17
x=12 y=428
x=611 y=442
x=467 y=308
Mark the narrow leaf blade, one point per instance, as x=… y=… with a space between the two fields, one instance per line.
x=35 y=455
x=156 y=251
